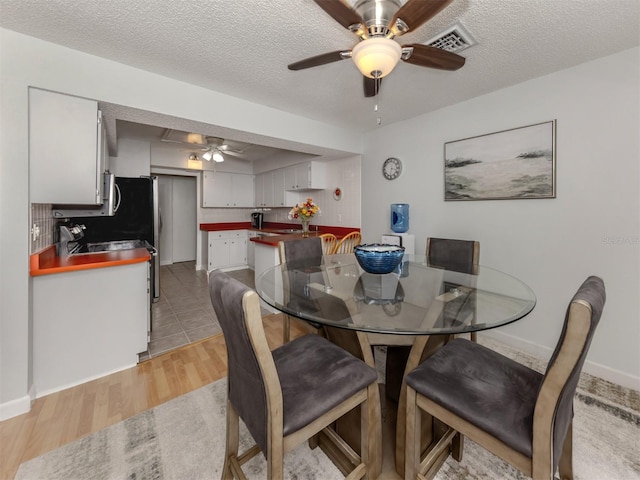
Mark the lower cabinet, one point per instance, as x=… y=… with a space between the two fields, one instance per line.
x=227 y=249
x=87 y=324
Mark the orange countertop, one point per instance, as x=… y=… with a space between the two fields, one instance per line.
x=46 y=261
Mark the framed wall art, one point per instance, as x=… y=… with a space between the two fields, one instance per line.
x=512 y=164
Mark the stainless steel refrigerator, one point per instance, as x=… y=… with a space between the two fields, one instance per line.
x=137 y=218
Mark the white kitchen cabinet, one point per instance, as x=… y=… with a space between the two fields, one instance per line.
x=221 y=189
x=305 y=176
x=67 y=149
x=264 y=190
x=227 y=249
x=87 y=324
x=279 y=198
x=270 y=191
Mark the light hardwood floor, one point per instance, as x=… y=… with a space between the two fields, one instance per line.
x=65 y=416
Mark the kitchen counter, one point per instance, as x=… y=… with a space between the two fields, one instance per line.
x=47 y=262
x=272 y=228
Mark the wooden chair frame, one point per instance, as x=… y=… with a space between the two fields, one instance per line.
x=278 y=444
x=329 y=242
x=347 y=243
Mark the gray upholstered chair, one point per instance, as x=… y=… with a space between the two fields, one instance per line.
x=287 y=396
x=520 y=415
x=306 y=253
x=459 y=256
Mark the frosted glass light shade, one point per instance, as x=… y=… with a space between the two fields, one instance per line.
x=376 y=57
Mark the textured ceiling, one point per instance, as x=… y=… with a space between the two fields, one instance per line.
x=242 y=48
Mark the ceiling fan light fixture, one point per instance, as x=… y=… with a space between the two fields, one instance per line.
x=207 y=155
x=376 y=57
x=217 y=156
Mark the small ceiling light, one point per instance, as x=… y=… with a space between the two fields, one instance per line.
x=193 y=157
x=217 y=156
x=213 y=154
x=376 y=57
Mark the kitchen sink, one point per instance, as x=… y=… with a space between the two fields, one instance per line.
x=289 y=230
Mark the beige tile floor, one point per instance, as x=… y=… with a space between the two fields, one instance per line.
x=184 y=314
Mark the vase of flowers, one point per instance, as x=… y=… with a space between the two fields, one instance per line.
x=304 y=211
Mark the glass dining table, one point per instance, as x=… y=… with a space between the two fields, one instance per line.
x=410 y=312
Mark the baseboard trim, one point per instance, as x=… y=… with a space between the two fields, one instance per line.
x=544 y=353
x=18 y=406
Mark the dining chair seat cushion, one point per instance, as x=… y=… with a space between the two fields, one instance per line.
x=316 y=376
x=485 y=388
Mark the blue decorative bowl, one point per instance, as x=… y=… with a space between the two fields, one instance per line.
x=378 y=257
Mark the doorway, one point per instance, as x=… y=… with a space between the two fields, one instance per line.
x=177 y=198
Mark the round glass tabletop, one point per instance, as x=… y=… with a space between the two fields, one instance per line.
x=416 y=299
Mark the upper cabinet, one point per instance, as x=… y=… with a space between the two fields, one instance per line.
x=264 y=190
x=220 y=189
x=67 y=149
x=305 y=176
x=270 y=189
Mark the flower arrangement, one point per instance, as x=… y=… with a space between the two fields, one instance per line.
x=304 y=211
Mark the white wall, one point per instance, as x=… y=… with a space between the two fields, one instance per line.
x=133 y=160
x=26 y=61
x=592 y=227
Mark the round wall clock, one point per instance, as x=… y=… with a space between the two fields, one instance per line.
x=391 y=168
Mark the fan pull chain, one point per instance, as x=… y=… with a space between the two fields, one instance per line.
x=376 y=106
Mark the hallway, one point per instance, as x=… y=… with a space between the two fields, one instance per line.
x=184 y=313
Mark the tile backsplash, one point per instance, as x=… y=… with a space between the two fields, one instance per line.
x=42 y=221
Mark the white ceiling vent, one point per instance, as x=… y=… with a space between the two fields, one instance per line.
x=454 y=39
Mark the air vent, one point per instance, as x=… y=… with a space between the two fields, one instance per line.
x=454 y=39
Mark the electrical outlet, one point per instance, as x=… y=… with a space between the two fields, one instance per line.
x=339 y=218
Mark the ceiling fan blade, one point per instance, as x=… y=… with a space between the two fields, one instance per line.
x=235 y=154
x=432 y=57
x=371 y=86
x=414 y=13
x=318 y=60
x=340 y=12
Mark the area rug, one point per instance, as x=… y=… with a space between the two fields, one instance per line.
x=184 y=439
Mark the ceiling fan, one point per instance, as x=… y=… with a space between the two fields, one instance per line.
x=377 y=23
x=213 y=148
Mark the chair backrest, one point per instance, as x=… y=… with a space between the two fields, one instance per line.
x=249 y=357
x=554 y=407
x=458 y=255
x=329 y=242
x=306 y=249
x=348 y=242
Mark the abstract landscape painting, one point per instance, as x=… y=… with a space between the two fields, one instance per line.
x=512 y=164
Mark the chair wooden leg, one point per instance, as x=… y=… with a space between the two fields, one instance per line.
x=286 y=329
x=565 y=466
x=371 y=433
x=232 y=441
x=275 y=461
x=457 y=447
x=412 y=436
x=474 y=337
